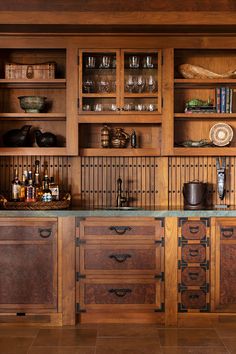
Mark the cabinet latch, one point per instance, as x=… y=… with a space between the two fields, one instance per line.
x=159 y=276
x=161 y=241
x=79 y=242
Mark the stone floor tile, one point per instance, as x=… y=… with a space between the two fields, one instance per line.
x=130 y=330
x=128 y=346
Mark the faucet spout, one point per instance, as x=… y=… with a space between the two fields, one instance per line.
x=121 y=199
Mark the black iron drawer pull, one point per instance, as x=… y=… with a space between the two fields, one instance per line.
x=45 y=233
x=193 y=253
x=120 y=230
x=193 y=275
x=194 y=229
x=120 y=258
x=227 y=231
x=194 y=296
x=120 y=292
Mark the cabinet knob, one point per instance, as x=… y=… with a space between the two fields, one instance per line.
x=193 y=275
x=194 y=229
x=45 y=233
x=120 y=230
x=120 y=292
x=120 y=258
x=193 y=253
x=194 y=296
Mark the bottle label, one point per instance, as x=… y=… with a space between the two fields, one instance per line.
x=55 y=193
x=16 y=191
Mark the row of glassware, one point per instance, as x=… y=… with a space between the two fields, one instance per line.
x=133 y=84
x=99 y=107
x=109 y=62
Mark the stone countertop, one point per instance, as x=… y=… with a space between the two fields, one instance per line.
x=103 y=212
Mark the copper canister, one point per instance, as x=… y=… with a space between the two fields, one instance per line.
x=195 y=195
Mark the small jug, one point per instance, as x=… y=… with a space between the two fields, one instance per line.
x=119 y=138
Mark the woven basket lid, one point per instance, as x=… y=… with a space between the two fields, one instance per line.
x=221 y=134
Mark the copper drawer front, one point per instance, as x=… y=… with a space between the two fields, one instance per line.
x=33 y=231
x=193 y=299
x=193 y=253
x=228 y=233
x=119 y=230
x=193 y=276
x=98 y=257
x=120 y=293
x=193 y=230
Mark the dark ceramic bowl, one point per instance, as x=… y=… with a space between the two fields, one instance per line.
x=32 y=104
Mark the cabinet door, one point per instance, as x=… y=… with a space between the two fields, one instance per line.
x=225 y=272
x=28 y=266
x=141 y=81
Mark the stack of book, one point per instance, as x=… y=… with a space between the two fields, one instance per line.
x=224 y=100
x=200 y=109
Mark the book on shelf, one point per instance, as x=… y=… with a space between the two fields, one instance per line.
x=224 y=99
x=201 y=109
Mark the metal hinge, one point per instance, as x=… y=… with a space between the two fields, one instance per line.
x=80 y=276
x=161 y=309
x=205 y=288
x=181 y=220
x=205 y=265
x=160 y=276
x=207 y=221
x=161 y=241
x=79 y=242
x=78 y=309
x=181 y=308
x=162 y=220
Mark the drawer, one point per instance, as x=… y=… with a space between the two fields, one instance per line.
x=193 y=300
x=228 y=232
x=27 y=230
x=115 y=258
x=193 y=276
x=192 y=253
x=193 y=230
x=129 y=291
x=121 y=229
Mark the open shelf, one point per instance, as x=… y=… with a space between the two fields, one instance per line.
x=119 y=152
x=33 y=151
x=32 y=116
x=222 y=116
x=203 y=82
x=129 y=118
x=205 y=151
x=52 y=83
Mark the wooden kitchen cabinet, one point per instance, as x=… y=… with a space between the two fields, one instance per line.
x=122 y=88
x=28 y=266
x=225 y=267
x=120 y=269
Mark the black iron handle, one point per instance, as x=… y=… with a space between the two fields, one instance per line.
x=227 y=231
x=120 y=292
x=194 y=296
x=120 y=230
x=193 y=253
x=194 y=229
x=120 y=258
x=45 y=233
x=193 y=275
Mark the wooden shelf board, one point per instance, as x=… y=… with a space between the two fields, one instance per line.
x=99 y=95
x=205 y=151
x=33 y=151
x=119 y=152
x=122 y=118
x=33 y=116
x=57 y=83
x=205 y=115
x=205 y=81
x=141 y=95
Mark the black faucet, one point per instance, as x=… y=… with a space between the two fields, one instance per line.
x=121 y=199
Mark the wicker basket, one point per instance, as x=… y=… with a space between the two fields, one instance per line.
x=44 y=71
x=54 y=205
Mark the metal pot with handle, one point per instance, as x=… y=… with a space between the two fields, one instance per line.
x=194 y=193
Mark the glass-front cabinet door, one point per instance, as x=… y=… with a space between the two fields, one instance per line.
x=99 y=81
x=141 y=81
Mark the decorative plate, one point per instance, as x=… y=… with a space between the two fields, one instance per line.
x=221 y=134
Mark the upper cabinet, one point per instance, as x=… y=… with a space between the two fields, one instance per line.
x=204 y=102
x=35 y=117
x=123 y=89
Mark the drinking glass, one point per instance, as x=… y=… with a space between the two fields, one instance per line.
x=134 y=62
x=130 y=84
x=88 y=86
x=151 y=107
x=140 y=107
x=90 y=62
x=148 y=62
x=151 y=84
x=105 y=62
x=103 y=86
x=140 y=84
x=128 y=107
x=86 y=107
x=98 y=107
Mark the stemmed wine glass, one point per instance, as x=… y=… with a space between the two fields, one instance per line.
x=140 y=84
x=130 y=84
x=151 y=84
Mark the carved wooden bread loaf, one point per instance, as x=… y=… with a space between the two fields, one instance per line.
x=190 y=71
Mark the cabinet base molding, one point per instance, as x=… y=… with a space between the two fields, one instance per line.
x=31 y=319
x=121 y=317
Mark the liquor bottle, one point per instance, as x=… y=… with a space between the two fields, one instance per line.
x=15 y=188
x=46 y=194
x=54 y=188
x=36 y=182
x=105 y=136
x=30 y=190
x=24 y=182
x=133 y=139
